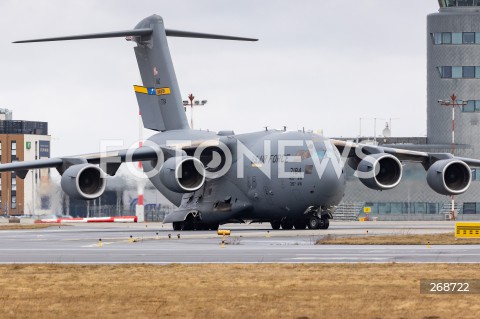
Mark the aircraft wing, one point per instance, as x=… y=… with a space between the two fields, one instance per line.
x=425 y=158
x=109 y=161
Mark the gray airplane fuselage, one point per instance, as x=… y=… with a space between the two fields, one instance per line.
x=253 y=194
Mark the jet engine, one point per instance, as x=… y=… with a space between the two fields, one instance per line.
x=182 y=175
x=83 y=181
x=449 y=177
x=380 y=171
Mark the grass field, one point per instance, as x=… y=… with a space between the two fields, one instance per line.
x=29 y=226
x=232 y=291
x=432 y=239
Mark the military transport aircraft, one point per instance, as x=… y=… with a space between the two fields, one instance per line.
x=288 y=178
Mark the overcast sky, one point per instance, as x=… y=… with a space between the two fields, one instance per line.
x=319 y=64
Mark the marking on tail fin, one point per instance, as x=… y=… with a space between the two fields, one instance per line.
x=140 y=89
x=151 y=91
x=162 y=91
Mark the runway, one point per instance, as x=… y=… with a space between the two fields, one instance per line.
x=150 y=243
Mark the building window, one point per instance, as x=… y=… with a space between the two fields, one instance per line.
x=473 y=106
x=475 y=175
x=396 y=208
x=459 y=3
x=459 y=72
x=14 y=200
x=468 y=72
x=446 y=38
x=468 y=37
x=456 y=38
x=432 y=208
x=445 y=72
x=384 y=208
x=470 y=107
x=420 y=208
x=477 y=37
x=14 y=151
x=477 y=109
x=14 y=182
x=469 y=208
x=45 y=202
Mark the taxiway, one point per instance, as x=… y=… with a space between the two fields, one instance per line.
x=156 y=243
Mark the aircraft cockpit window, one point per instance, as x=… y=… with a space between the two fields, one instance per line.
x=321 y=154
x=305 y=154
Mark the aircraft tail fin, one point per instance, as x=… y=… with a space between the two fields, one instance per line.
x=159 y=97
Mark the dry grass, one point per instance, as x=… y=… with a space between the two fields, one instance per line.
x=433 y=239
x=232 y=291
x=19 y=226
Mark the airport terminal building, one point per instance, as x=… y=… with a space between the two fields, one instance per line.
x=453 y=67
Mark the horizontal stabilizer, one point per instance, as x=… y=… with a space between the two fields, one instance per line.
x=115 y=34
x=188 y=34
x=137 y=33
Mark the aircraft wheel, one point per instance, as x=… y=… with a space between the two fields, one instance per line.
x=177 y=225
x=301 y=224
x=275 y=225
x=326 y=223
x=188 y=225
x=286 y=224
x=313 y=222
x=213 y=226
x=201 y=226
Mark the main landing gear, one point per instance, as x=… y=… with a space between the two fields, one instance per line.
x=315 y=222
x=275 y=225
x=310 y=221
x=285 y=223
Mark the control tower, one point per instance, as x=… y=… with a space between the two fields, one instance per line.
x=453 y=67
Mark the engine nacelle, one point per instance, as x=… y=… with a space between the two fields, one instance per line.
x=84 y=181
x=182 y=175
x=449 y=177
x=380 y=171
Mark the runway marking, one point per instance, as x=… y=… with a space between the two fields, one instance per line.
x=96 y=244
x=217 y=262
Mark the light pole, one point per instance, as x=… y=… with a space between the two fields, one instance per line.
x=452 y=103
x=192 y=103
x=139 y=208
